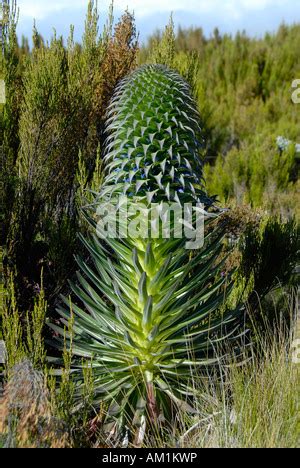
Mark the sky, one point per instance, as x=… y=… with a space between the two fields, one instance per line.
x=255 y=16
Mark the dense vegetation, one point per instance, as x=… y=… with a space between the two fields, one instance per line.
x=54 y=141
x=244 y=89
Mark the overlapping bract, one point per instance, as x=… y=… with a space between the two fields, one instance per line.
x=154 y=139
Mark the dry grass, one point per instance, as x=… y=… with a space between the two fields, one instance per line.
x=255 y=406
x=26 y=419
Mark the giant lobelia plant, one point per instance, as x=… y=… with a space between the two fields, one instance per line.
x=147 y=311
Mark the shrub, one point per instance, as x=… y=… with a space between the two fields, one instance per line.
x=256 y=174
x=269 y=256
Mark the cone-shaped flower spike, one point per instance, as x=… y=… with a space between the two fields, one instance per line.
x=154 y=138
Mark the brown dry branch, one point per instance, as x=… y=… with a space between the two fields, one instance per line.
x=26 y=414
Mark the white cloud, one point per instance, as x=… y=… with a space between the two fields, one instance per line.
x=40 y=9
x=262 y=4
x=229 y=7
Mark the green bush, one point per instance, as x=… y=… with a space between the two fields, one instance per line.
x=269 y=257
x=256 y=174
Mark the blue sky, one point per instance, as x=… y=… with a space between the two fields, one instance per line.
x=255 y=16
